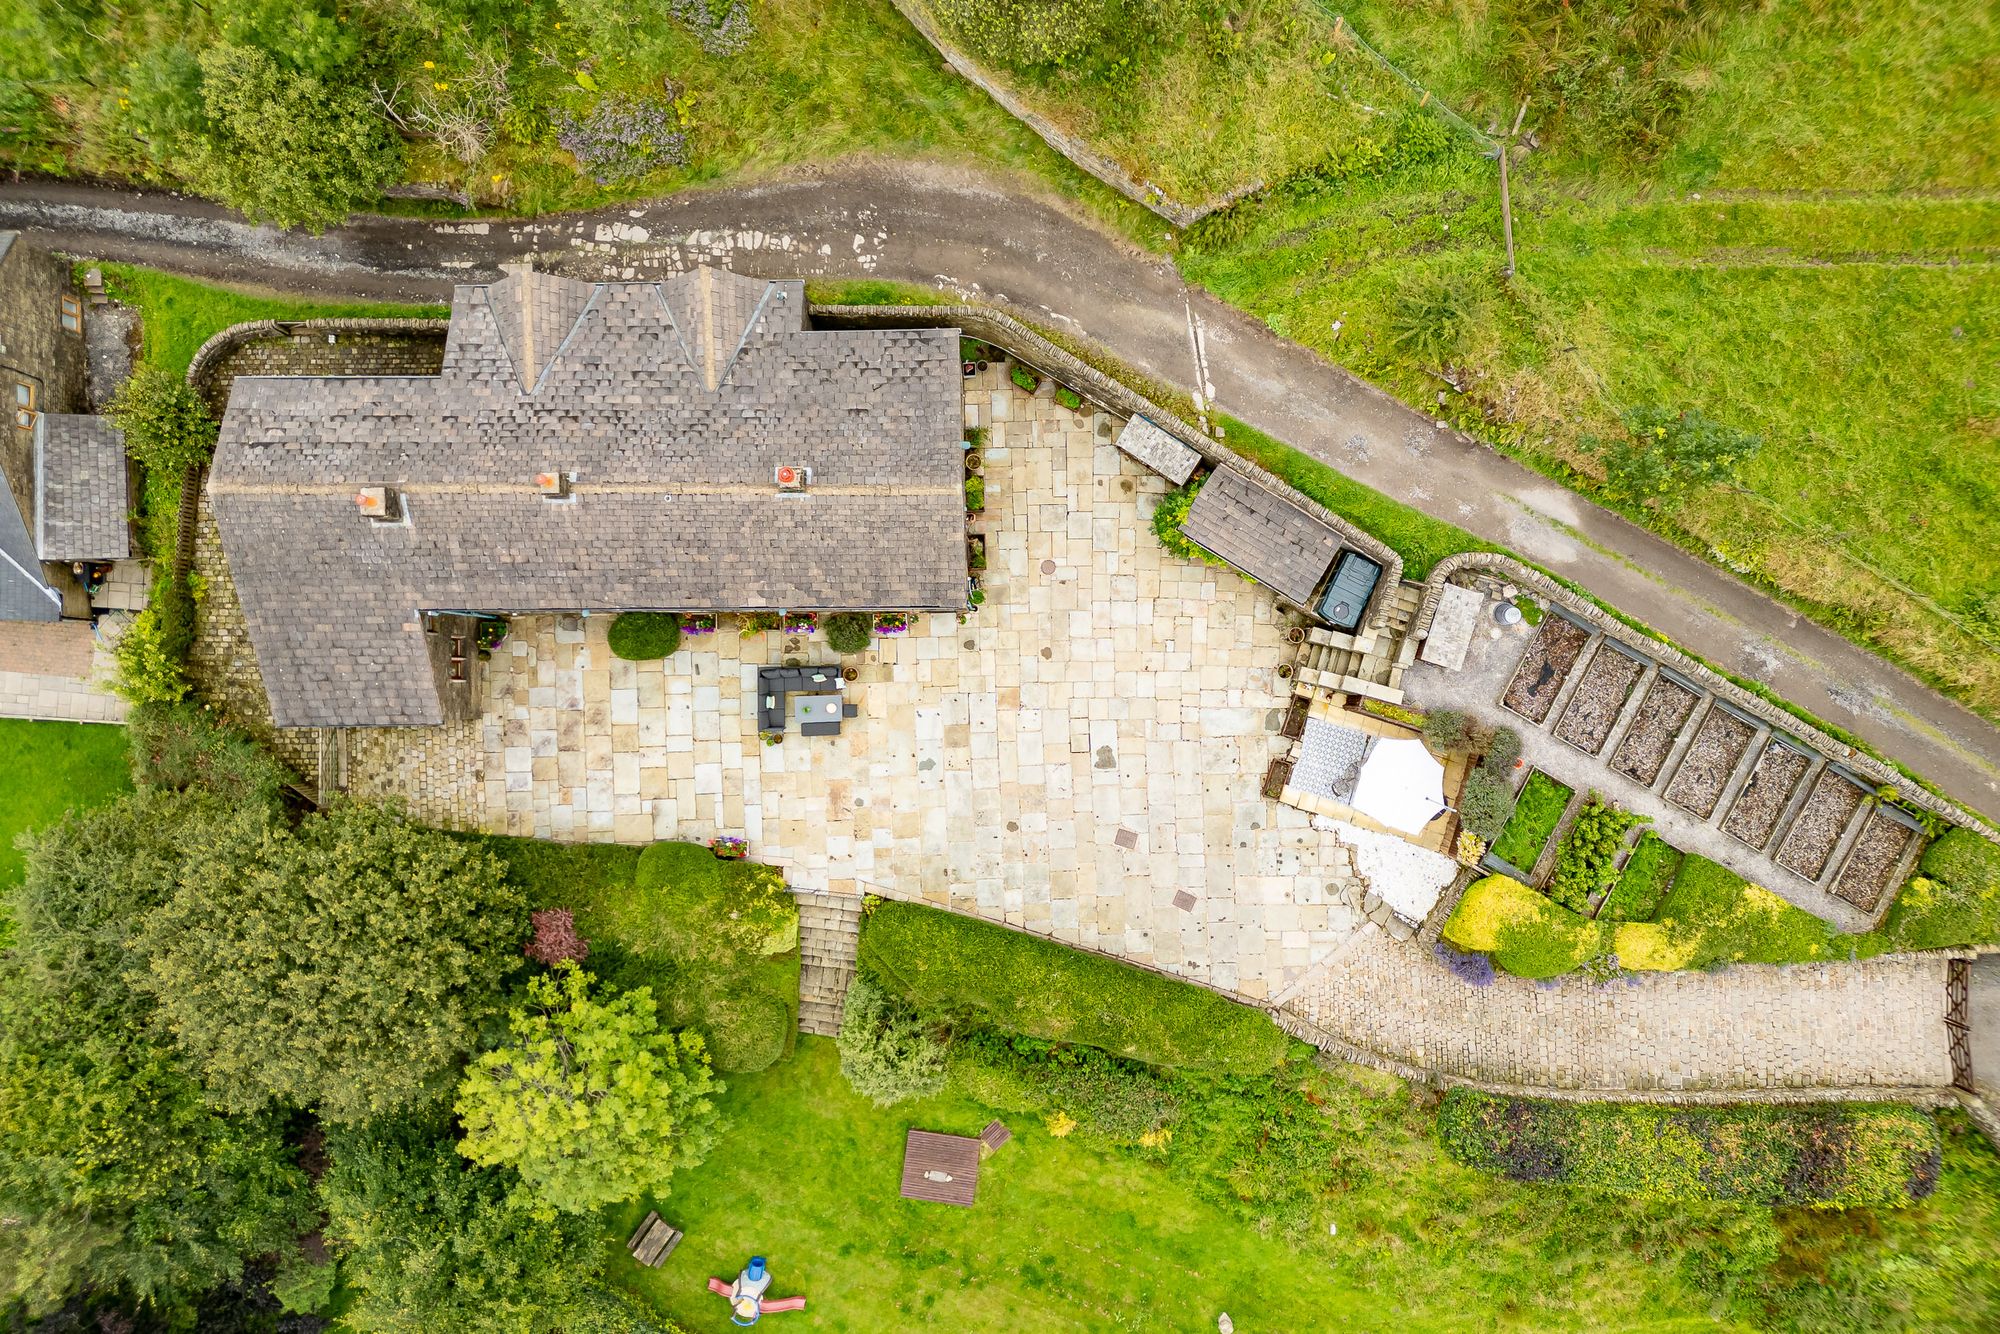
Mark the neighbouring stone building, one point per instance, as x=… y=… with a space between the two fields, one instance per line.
x=65 y=471
x=685 y=445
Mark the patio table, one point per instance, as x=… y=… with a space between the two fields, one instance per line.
x=816 y=708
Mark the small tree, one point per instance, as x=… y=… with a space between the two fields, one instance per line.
x=887 y=1053
x=1501 y=751
x=1484 y=803
x=555 y=939
x=167 y=426
x=346 y=966
x=590 y=1102
x=850 y=631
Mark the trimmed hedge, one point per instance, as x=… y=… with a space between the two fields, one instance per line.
x=1953 y=900
x=1843 y=1155
x=642 y=636
x=947 y=964
x=1526 y=933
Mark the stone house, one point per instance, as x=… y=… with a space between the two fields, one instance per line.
x=66 y=476
x=685 y=445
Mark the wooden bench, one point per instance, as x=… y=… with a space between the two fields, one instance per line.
x=995 y=1135
x=654 y=1241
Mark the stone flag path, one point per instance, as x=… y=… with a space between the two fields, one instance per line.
x=1873 y=1027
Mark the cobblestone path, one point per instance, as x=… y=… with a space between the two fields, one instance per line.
x=1824 y=1027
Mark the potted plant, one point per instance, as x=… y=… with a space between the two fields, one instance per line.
x=492 y=633
x=975 y=494
x=850 y=673
x=757 y=622
x=975 y=551
x=800 y=622
x=1069 y=398
x=698 y=623
x=1296 y=635
x=892 y=623
x=973 y=463
x=729 y=848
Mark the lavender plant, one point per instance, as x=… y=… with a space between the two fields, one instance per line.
x=1475 y=970
x=621 y=138
x=723 y=26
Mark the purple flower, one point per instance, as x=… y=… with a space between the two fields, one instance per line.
x=1475 y=970
x=619 y=139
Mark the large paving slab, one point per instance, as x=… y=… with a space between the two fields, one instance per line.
x=56 y=670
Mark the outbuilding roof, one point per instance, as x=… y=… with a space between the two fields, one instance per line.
x=81 y=494
x=1264 y=532
x=665 y=408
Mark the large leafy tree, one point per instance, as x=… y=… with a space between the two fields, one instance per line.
x=430 y=1242
x=346 y=966
x=285 y=145
x=590 y=1102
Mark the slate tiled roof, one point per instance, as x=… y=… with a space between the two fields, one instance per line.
x=671 y=403
x=1159 y=451
x=1262 y=532
x=81 y=494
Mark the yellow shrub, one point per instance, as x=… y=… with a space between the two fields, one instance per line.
x=1648 y=947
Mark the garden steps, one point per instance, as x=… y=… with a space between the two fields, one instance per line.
x=829 y=935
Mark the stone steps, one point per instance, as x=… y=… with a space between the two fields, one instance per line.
x=829 y=933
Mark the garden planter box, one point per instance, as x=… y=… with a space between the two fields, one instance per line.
x=1875 y=861
x=1710 y=761
x=1599 y=698
x=1810 y=842
x=1754 y=815
x=1544 y=668
x=1650 y=739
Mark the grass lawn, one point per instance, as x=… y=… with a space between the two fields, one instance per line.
x=1535 y=816
x=51 y=768
x=1063 y=1237
x=718 y=948
x=1201 y=109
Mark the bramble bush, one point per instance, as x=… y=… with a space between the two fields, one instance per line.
x=166 y=425
x=888 y=1054
x=185 y=746
x=1845 y=1155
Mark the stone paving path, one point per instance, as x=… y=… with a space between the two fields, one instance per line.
x=55 y=670
x=1824 y=1027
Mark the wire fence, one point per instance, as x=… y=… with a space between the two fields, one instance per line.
x=1344 y=27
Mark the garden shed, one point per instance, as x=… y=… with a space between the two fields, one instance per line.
x=1287 y=543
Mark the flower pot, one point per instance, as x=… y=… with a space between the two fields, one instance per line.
x=1296 y=635
x=1284 y=671
x=850 y=674
x=973 y=463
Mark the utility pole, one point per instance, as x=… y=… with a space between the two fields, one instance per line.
x=1506 y=200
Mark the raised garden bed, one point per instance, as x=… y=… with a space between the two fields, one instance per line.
x=1816 y=833
x=1536 y=815
x=1650 y=739
x=1758 y=807
x=1587 y=858
x=1599 y=698
x=1871 y=865
x=1710 y=760
x=1649 y=874
x=1544 y=668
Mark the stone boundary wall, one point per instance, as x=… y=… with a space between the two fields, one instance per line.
x=1707 y=677
x=1032 y=349
x=1144 y=193
x=225 y=341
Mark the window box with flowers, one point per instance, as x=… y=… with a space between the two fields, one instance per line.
x=729 y=848
x=800 y=622
x=698 y=623
x=892 y=623
x=759 y=622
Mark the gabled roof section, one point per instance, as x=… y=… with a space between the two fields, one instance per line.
x=670 y=406
x=82 y=495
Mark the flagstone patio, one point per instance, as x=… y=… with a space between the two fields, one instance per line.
x=1082 y=757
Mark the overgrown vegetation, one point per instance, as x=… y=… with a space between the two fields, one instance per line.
x=1846 y=1155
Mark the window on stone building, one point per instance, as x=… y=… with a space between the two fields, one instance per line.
x=24 y=404
x=72 y=314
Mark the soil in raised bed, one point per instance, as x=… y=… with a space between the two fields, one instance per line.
x=1544 y=668
x=1821 y=821
x=1762 y=801
x=1877 y=852
x=1598 y=699
x=1651 y=737
x=1709 y=761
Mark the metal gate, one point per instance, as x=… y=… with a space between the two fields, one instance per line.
x=1957 y=1029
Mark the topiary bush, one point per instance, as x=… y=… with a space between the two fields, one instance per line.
x=849 y=631
x=947 y=964
x=1844 y=1155
x=1484 y=803
x=643 y=636
x=1525 y=933
x=1502 y=749
x=1955 y=898
x=887 y=1053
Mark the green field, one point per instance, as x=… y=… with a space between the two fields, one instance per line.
x=52 y=767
